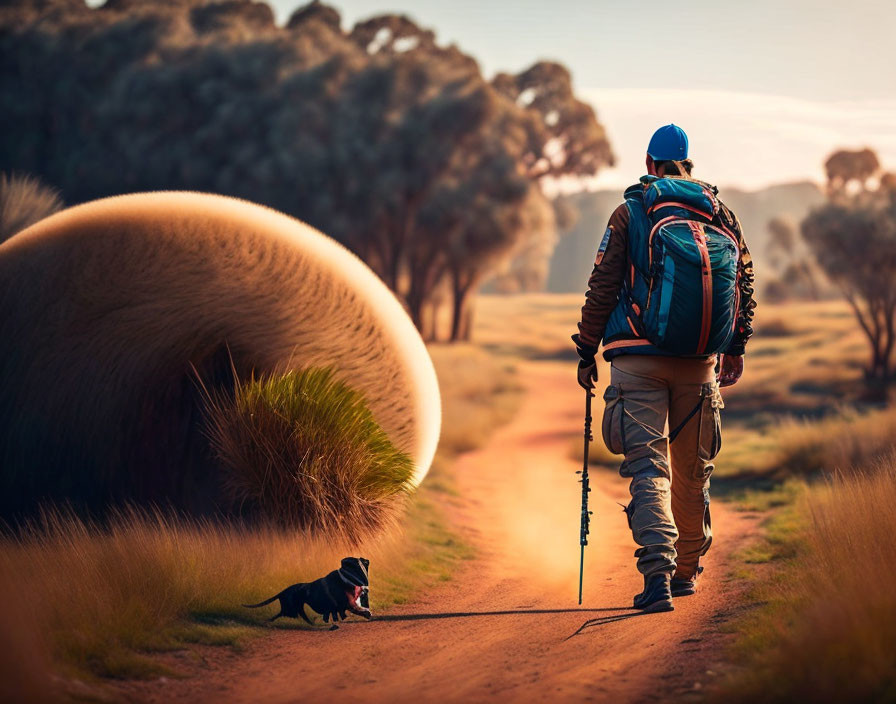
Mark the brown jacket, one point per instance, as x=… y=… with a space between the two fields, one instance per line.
x=611 y=264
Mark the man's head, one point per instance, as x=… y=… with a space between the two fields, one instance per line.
x=667 y=152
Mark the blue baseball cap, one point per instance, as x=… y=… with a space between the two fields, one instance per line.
x=669 y=143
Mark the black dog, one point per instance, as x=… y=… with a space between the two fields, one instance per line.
x=345 y=589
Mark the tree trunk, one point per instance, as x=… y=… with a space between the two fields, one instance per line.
x=415 y=303
x=889 y=342
x=456 y=311
x=467 y=327
x=392 y=270
x=459 y=320
x=432 y=322
x=813 y=284
x=425 y=271
x=874 y=329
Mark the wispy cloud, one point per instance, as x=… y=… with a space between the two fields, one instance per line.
x=742 y=139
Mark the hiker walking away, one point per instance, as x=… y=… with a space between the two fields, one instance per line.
x=671 y=298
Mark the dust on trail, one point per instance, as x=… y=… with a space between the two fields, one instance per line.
x=504 y=628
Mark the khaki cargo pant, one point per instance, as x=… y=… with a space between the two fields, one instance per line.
x=648 y=400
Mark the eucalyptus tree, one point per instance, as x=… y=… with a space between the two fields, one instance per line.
x=853 y=238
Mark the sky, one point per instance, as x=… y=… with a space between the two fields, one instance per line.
x=764 y=89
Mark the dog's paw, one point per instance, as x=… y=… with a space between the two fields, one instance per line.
x=334 y=627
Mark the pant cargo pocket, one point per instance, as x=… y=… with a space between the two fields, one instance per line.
x=612 y=428
x=709 y=431
x=710 y=440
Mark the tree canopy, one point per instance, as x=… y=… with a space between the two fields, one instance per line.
x=393 y=144
x=844 y=167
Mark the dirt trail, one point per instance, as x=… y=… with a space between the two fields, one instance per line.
x=503 y=629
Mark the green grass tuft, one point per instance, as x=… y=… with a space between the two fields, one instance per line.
x=303 y=449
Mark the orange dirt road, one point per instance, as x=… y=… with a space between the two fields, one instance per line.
x=503 y=629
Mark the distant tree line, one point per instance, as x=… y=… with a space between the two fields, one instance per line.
x=389 y=142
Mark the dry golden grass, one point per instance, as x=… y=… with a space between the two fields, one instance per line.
x=533 y=325
x=105 y=596
x=841 y=442
x=805 y=356
x=483 y=393
x=99 y=601
x=302 y=449
x=781 y=446
x=827 y=631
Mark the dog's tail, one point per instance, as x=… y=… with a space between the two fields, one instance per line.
x=263 y=603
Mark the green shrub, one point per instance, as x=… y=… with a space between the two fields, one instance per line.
x=303 y=449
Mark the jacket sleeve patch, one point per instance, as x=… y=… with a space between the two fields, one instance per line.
x=603 y=246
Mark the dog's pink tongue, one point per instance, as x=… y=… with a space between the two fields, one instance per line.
x=353 y=595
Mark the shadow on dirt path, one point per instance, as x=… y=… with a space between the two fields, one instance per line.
x=467 y=614
x=603 y=621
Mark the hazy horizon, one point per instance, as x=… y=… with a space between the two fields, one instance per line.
x=762 y=98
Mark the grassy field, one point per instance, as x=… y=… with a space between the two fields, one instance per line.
x=803 y=364
x=805 y=357
x=99 y=601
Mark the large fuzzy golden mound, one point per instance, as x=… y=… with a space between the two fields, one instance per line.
x=126 y=322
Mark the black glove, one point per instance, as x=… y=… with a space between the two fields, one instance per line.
x=587 y=371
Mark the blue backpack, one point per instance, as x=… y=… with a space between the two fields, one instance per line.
x=691 y=270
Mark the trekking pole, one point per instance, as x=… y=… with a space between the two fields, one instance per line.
x=586 y=489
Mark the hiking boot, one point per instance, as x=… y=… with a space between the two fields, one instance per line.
x=680 y=586
x=656 y=596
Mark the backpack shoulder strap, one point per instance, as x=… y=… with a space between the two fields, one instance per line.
x=639 y=226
